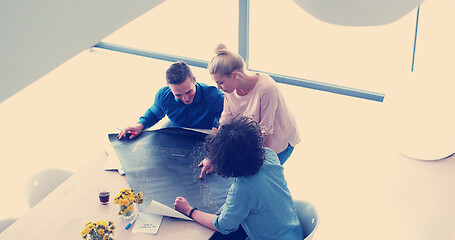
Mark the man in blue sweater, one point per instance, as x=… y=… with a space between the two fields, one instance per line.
x=186 y=102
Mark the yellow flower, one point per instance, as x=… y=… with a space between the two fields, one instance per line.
x=101 y=223
x=126 y=198
x=98 y=229
x=139 y=198
x=125 y=202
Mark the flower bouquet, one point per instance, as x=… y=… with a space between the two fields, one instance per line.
x=125 y=200
x=98 y=231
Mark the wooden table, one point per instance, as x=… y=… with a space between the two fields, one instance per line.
x=64 y=212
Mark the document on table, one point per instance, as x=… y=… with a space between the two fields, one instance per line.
x=147 y=223
x=112 y=161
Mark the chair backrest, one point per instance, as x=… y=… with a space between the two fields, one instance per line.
x=308 y=218
x=5 y=223
x=42 y=183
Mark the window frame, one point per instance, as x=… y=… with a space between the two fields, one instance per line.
x=243 y=50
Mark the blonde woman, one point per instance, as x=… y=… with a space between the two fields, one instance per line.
x=255 y=95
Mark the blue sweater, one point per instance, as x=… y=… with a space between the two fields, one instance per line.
x=206 y=106
x=262 y=203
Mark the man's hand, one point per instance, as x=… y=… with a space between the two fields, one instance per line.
x=132 y=130
x=182 y=205
x=207 y=167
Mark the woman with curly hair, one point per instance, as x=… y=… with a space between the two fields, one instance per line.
x=258 y=202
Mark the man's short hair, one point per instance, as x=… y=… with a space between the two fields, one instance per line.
x=178 y=72
x=237 y=148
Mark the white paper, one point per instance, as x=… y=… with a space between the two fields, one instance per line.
x=206 y=131
x=147 y=223
x=161 y=209
x=112 y=161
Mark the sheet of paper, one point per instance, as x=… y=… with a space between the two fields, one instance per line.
x=112 y=161
x=206 y=131
x=161 y=209
x=147 y=223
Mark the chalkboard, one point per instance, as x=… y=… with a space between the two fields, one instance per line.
x=163 y=164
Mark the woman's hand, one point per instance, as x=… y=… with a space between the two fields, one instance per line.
x=205 y=219
x=207 y=167
x=182 y=205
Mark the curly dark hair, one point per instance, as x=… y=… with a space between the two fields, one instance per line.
x=237 y=149
x=178 y=72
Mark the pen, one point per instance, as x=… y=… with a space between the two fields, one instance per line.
x=132 y=221
x=131 y=132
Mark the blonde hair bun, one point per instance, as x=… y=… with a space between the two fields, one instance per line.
x=220 y=49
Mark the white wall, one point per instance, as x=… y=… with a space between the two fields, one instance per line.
x=38 y=36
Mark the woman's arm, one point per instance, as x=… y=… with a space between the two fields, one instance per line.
x=265 y=138
x=205 y=219
x=268 y=107
x=227 y=113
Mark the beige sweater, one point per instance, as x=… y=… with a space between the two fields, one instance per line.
x=265 y=105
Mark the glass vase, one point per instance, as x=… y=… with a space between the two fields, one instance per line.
x=124 y=213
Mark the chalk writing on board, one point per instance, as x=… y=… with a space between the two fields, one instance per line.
x=164 y=165
x=198 y=154
x=145 y=152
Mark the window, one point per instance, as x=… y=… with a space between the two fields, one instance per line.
x=284 y=39
x=183 y=28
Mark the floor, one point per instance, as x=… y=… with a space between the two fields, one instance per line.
x=349 y=163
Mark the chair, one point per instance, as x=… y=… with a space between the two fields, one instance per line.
x=42 y=183
x=308 y=218
x=5 y=223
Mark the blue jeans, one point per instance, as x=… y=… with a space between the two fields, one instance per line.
x=285 y=154
x=238 y=234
